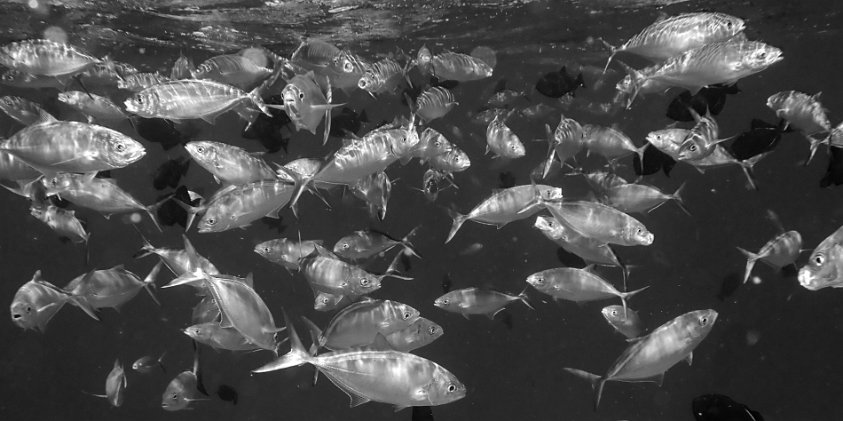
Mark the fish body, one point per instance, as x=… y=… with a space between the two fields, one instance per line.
x=111 y=288
x=147 y=363
x=609 y=143
x=434 y=103
x=588 y=249
x=326 y=272
x=565 y=142
x=627 y=323
x=780 y=251
x=578 y=285
x=802 y=111
x=243 y=309
x=180 y=261
x=106 y=75
x=194 y=99
x=140 y=81
x=306 y=104
x=18 y=79
x=386 y=376
x=359 y=324
x=43 y=57
x=454 y=160
x=825 y=266
x=639 y=197
x=37 y=301
x=180 y=392
x=207 y=310
x=100 y=194
x=63 y=222
x=239 y=206
x=72 y=146
x=431 y=144
x=420 y=333
x=182 y=68
x=502 y=141
x=482 y=301
x=364 y=244
x=313 y=53
x=602 y=223
x=115 y=385
x=328 y=302
x=285 y=252
x=648 y=358
x=24 y=111
x=384 y=76
x=375 y=190
x=218 y=337
x=453 y=66
x=675 y=35
x=232 y=69
x=701 y=139
x=229 y=164
x=345 y=70
x=505 y=206
x=94 y=106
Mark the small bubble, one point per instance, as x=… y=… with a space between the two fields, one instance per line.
x=756 y=280
x=135 y=218
x=752 y=337
x=33 y=4
x=141 y=50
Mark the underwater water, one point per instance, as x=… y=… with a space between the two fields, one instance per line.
x=774 y=347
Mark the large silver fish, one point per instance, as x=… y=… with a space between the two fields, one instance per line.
x=232 y=69
x=43 y=57
x=649 y=357
x=24 y=111
x=306 y=103
x=37 y=301
x=229 y=164
x=825 y=266
x=112 y=288
x=359 y=324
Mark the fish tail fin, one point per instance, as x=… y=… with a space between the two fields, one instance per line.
x=192 y=211
x=613 y=50
x=747 y=166
x=149 y=281
x=409 y=248
x=751 y=258
x=459 y=219
x=255 y=97
x=525 y=299
x=297 y=356
x=315 y=335
x=551 y=151
x=677 y=197
x=625 y=296
x=815 y=144
x=303 y=182
x=392 y=270
x=147 y=247
x=152 y=209
x=596 y=382
x=640 y=152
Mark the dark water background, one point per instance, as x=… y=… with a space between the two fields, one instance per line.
x=791 y=373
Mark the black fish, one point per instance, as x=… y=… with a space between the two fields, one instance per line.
x=730 y=284
x=710 y=99
x=722 y=408
x=160 y=131
x=834 y=175
x=267 y=130
x=654 y=160
x=422 y=413
x=170 y=173
x=761 y=137
x=447 y=84
x=447 y=283
x=347 y=121
x=227 y=393
x=507 y=180
x=275 y=223
x=170 y=213
x=558 y=84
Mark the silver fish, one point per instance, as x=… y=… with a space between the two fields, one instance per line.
x=588 y=249
x=375 y=190
x=565 y=142
x=602 y=223
x=218 y=337
x=384 y=76
x=286 y=252
x=232 y=69
x=141 y=81
x=610 y=143
x=454 y=160
x=483 y=301
x=358 y=324
x=146 y=364
x=94 y=106
x=307 y=104
x=364 y=244
x=112 y=288
x=183 y=389
x=640 y=198
x=238 y=206
x=781 y=251
x=115 y=385
x=648 y=358
x=805 y=113
x=325 y=301
x=825 y=266
x=387 y=376
x=453 y=66
x=626 y=322
x=24 y=111
x=179 y=261
x=431 y=144
x=37 y=301
x=434 y=103
x=502 y=141
x=422 y=332
x=63 y=222
x=229 y=164
x=43 y=57
x=578 y=285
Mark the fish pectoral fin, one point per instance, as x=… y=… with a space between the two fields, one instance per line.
x=690 y=358
x=400 y=407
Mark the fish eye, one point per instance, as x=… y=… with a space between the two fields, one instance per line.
x=174 y=396
x=703 y=320
x=407 y=315
x=120 y=147
x=452 y=387
x=347 y=67
x=445 y=301
x=819 y=259
x=200 y=149
x=324 y=300
x=539 y=280
x=728 y=24
x=28 y=309
x=692 y=148
x=301 y=95
x=762 y=55
x=614 y=312
x=432 y=330
x=364 y=282
x=345 y=246
x=211 y=221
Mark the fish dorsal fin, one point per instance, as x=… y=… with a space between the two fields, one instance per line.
x=250 y=280
x=662 y=16
x=189 y=249
x=120 y=267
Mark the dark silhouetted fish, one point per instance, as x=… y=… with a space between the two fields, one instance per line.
x=276 y=224
x=654 y=160
x=447 y=84
x=170 y=173
x=422 y=413
x=834 y=175
x=761 y=137
x=722 y=408
x=267 y=130
x=104 y=174
x=711 y=99
x=558 y=84
x=447 y=283
x=730 y=284
x=507 y=180
x=227 y=393
x=170 y=213
x=347 y=121
x=160 y=131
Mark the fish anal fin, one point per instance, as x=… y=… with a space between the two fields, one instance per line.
x=355 y=399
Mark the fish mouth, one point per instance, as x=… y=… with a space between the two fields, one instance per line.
x=807 y=280
x=130 y=105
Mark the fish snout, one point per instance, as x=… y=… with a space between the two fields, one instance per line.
x=807 y=279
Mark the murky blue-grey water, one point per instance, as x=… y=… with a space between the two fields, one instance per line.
x=775 y=346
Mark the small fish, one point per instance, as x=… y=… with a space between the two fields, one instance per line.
x=565 y=142
x=781 y=251
x=375 y=190
x=626 y=322
x=326 y=272
x=501 y=141
x=384 y=76
x=184 y=389
x=147 y=363
x=422 y=332
x=232 y=69
x=641 y=198
x=577 y=285
x=675 y=35
x=314 y=53
x=229 y=164
x=455 y=160
x=434 y=103
x=94 y=106
x=825 y=266
x=43 y=57
x=218 y=337
x=713 y=407
x=431 y=144
x=360 y=323
x=325 y=301
x=558 y=84
x=307 y=104
x=286 y=252
x=588 y=249
x=24 y=111
x=364 y=244
x=487 y=302
x=649 y=357
x=115 y=385
x=37 y=301
x=609 y=143
x=804 y=113
x=63 y=222
x=452 y=66
x=602 y=223
x=112 y=288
